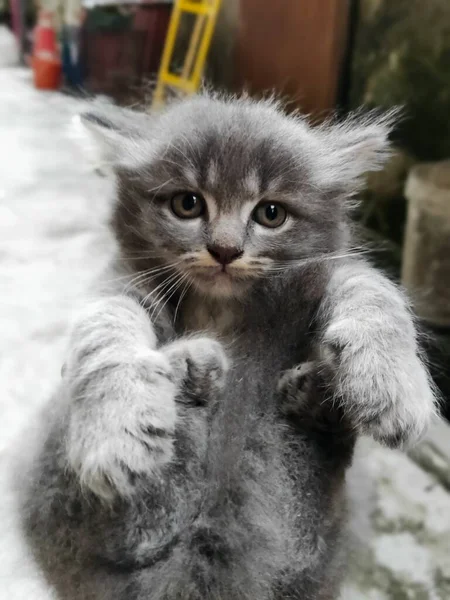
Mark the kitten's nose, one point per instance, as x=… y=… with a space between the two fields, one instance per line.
x=225 y=254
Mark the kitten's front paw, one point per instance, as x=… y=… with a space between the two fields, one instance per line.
x=121 y=423
x=386 y=392
x=200 y=366
x=294 y=387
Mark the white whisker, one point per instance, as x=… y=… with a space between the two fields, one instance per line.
x=176 y=286
x=153 y=292
x=128 y=275
x=158 y=188
x=289 y=264
x=162 y=294
x=182 y=295
x=146 y=276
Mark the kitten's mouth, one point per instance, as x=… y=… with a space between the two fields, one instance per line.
x=219 y=275
x=221 y=280
x=219 y=272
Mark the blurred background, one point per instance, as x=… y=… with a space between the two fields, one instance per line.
x=323 y=57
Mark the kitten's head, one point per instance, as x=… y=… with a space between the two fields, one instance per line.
x=225 y=191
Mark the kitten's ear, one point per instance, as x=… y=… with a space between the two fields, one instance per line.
x=113 y=136
x=354 y=147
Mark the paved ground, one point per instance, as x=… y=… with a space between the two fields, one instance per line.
x=404 y=536
x=52 y=244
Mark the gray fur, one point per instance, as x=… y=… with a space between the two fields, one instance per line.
x=190 y=452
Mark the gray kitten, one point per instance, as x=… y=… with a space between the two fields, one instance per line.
x=211 y=397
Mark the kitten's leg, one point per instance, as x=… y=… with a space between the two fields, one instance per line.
x=370 y=353
x=319 y=444
x=122 y=395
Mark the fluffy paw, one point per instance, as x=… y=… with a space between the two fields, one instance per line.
x=200 y=366
x=385 y=392
x=121 y=423
x=294 y=387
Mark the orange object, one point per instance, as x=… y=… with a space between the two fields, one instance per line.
x=46 y=63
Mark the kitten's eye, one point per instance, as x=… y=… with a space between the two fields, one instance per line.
x=270 y=214
x=187 y=205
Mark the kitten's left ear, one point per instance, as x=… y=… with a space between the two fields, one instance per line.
x=113 y=136
x=352 y=148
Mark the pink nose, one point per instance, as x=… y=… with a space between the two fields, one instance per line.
x=225 y=254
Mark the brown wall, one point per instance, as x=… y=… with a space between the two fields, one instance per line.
x=295 y=46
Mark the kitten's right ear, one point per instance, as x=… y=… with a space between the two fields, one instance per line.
x=113 y=136
x=350 y=149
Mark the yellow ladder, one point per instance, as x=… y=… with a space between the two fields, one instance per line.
x=188 y=81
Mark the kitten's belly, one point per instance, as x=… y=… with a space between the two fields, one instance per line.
x=277 y=518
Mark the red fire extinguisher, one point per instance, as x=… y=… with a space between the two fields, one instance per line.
x=46 y=62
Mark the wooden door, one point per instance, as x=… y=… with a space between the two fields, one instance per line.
x=294 y=46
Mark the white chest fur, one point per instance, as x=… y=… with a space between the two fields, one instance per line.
x=202 y=315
